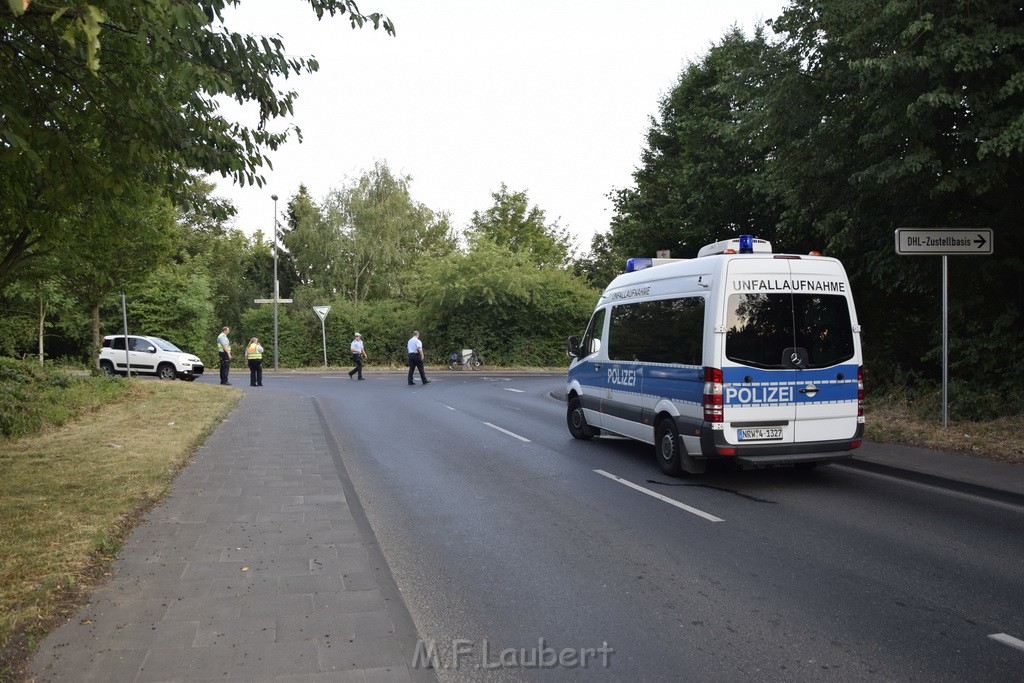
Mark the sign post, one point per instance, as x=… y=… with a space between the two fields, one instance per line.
x=127 y=342
x=322 y=312
x=944 y=242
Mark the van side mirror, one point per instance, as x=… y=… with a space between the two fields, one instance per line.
x=572 y=347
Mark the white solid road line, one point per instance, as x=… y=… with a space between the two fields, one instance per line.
x=1007 y=639
x=505 y=431
x=665 y=499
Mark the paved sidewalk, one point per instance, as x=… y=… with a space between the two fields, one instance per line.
x=255 y=568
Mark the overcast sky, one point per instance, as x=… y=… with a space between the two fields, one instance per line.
x=550 y=97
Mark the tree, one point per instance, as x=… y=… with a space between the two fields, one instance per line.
x=910 y=114
x=602 y=264
x=78 y=122
x=316 y=246
x=364 y=239
x=175 y=303
x=700 y=177
x=139 y=229
x=866 y=116
x=512 y=223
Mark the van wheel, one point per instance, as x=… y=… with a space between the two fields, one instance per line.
x=108 y=368
x=577 y=421
x=166 y=371
x=667 y=447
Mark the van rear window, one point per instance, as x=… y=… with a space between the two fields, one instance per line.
x=765 y=330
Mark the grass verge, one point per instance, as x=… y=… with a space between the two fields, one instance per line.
x=900 y=422
x=69 y=496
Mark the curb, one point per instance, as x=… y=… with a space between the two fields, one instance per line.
x=980 y=490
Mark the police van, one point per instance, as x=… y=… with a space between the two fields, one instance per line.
x=740 y=355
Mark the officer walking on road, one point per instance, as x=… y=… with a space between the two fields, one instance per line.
x=224 y=353
x=415 y=347
x=358 y=354
x=254 y=356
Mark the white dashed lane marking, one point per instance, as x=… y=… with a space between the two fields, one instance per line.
x=505 y=431
x=1007 y=639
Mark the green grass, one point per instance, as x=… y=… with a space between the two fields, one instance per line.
x=33 y=398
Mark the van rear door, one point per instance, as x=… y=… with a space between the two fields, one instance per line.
x=790 y=361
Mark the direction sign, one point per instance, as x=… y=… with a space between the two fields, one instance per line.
x=270 y=301
x=322 y=311
x=943 y=242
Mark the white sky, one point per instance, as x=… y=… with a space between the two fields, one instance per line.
x=550 y=97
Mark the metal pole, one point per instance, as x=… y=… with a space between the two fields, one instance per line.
x=323 y=331
x=945 y=341
x=127 y=358
x=277 y=294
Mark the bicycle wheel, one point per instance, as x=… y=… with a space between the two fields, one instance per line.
x=454 y=361
x=476 y=362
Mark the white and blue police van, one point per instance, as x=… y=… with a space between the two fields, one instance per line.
x=739 y=355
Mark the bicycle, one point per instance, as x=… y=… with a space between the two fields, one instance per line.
x=457 y=360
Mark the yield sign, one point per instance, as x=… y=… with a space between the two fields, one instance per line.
x=322 y=311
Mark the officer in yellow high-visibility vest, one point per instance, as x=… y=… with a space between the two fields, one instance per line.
x=254 y=355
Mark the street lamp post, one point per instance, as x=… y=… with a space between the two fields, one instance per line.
x=277 y=294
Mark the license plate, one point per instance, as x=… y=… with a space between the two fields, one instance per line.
x=759 y=434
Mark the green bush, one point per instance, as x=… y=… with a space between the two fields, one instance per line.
x=34 y=397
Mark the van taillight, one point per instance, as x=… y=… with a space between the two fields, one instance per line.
x=860 y=391
x=713 y=393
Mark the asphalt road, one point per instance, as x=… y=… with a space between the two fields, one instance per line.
x=523 y=554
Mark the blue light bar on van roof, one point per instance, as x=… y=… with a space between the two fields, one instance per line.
x=746 y=244
x=638 y=263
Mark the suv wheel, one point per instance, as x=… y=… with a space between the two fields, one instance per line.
x=107 y=368
x=166 y=371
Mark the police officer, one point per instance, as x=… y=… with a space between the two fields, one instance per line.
x=358 y=353
x=254 y=355
x=224 y=353
x=415 y=348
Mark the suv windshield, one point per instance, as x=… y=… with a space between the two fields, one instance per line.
x=771 y=330
x=164 y=344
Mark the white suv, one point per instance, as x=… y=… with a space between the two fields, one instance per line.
x=148 y=356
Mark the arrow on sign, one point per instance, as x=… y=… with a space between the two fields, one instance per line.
x=981 y=241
